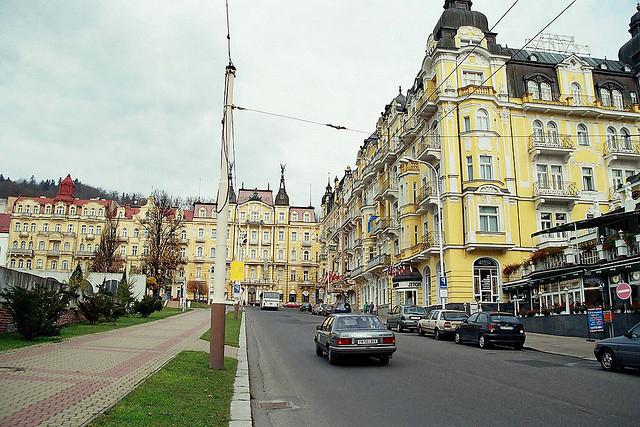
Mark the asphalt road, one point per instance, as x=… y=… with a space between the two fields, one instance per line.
x=427 y=383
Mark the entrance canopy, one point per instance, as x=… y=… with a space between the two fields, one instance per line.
x=627 y=221
x=407 y=282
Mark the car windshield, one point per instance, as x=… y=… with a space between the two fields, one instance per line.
x=636 y=331
x=358 y=322
x=270 y=295
x=454 y=316
x=504 y=318
x=415 y=310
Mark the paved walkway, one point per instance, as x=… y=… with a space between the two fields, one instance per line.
x=566 y=346
x=69 y=383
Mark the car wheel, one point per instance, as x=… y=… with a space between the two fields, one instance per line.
x=518 y=346
x=420 y=331
x=436 y=334
x=333 y=359
x=398 y=327
x=384 y=360
x=457 y=339
x=482 y=342
x=608 y=360
x=388 y=325
x=319 y=351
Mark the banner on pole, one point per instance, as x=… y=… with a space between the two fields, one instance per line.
x=236 y=273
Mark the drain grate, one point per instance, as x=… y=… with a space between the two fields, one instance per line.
x=277 y=404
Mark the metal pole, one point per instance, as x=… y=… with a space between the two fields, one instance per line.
x=216 y=348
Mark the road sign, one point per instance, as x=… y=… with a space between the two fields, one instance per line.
x=623 y=291
x=443 y=283
x=595 y=320
x=444 y=293
x=236 y=289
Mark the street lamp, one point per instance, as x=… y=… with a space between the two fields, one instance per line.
x=440 y=219
x=566 y=299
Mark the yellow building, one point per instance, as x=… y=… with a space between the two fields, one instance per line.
x=278 y=242
x=508 y=142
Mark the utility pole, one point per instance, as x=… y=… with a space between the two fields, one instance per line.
x=218 y=307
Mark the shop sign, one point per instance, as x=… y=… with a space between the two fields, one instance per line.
x=407 y=286
x=486 y=284
x=595 y=320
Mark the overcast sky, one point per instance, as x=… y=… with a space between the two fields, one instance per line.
x=128 y=94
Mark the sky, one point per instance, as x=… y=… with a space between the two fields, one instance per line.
x=128 y=94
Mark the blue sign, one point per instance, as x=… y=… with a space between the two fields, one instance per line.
x=236 y=288
x=595 y=320
x=443 y=283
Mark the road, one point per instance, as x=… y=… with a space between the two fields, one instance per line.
x=427 y=383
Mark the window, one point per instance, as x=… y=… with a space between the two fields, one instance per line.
x=134 y=250
x=612 y=136
x=469 y=168
x=212 y=252
x=489 y=219
x=65 y=265
x=294 y=255
x=20 y=263
x=587 y=179
x=200 y=233
x=305 y=256
x=199 y=252
x=634 y=97
x=280 y=254
x=626 y=139
x=89 y=249
x=91 y=229
x=293 y=275
x=576 y=93
x=183 y=252
x=183 y=235
x=281 y=235
x=198 y=272
x=552 y=133
x=69 y=228
x=60 y=210
x=41 y=246
x=307 y=236
x=267 y=216
x=213 y=233
x=294 y=216
x=265 y=236
x=13 y=263
x=58 y=228
x=39 y=264
x=202 y=213
x=281 y=216
x=254 y=254
x=467 y=123
x=583 y=135
x=243 y=216
x=67 y=246
x=605 y=97
x=545 y=220
x=616 y=96
x=538 y=131
x=307 y=217
x=47 y=210
x=255 y=216
x=482 y=119
x=54 y=264
x=545 y=91
x=475 y=78
x=294 y=236
x=533 y=89
x=72 y=210
x=124 y=233
x=254 y=236
x=486 y=167
x=18 y=228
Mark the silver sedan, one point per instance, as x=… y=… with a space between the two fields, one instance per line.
x=354 y=334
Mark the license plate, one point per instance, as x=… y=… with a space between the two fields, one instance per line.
x=367 y=341
x=414 y=317
x=507 y=328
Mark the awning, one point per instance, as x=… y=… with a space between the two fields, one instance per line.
x=601 y=221
x=410 y=276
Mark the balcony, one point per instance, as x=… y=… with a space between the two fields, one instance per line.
x=378 y=263
x=555 y=192
x=551 y=144
x=620 y=149
x=53 y=252
x=427 y=196
x=69 y=234
x=183 y=241
x=200 y=239
x=377 y=160
x=428 y=148
x=409 y=209
x=198 y=259
x=23 y=233
x=21 y=252
x=476 y=90
x=307 y=243
x=409 y=168
x=123 y=239
x=85 y=254
x=408 y=132
x=368 y=174
x=389 y=155
x=89 y=236
x=357 y=272
x=432 y=240
x=426 y=105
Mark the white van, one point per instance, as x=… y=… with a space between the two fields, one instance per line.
x=270 y=301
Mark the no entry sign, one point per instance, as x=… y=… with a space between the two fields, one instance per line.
x=623 y=291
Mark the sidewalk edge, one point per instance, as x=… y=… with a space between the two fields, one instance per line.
x=590 y=359
x=241 y=401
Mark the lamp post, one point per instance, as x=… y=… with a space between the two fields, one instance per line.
x=566 y=299
x=440 y=232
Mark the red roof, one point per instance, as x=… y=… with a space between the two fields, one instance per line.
x=265 y=196
x=188 y=215
x=130 y=211
x=51 y=200
x=302 y=211
x=5 y=221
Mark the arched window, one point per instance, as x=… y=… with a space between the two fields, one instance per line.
x=533 y=89
x=47 y=210
x=67 y=246
x=616 y=96
x=212 y=252
x=58 y=228
x=254 y=254
x=45 y=227
x=33 y=227
x=28 y=264
x=39 y=264
x=199 y=252
x=482 y=119
x=576 y=93
x=83 y=229
x=72 y=210
x=545 y=91
x=183 y=235
x=626 y=138
x=124 y=233
x=612 y=135
x=306 y=217
x=41 y=245
x=89 y=247
x=20 y=263
x=583 y=135
x=81 y=246
x=60 y=210
x=280 y=254
x=65 y=265
x=91 y=229
x=305 y=256
x=30 y=245
x=294 y=216
x=265 y=254
x=136 y=233
x=23 y=245
x=485 y=280
x=552 y=132
x=294 y=255
x=70 y=228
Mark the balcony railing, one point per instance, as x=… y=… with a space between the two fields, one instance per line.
x=27 y=252
x=409 y=167
x=476 y=90
x=426 y=191
x=615 y=145
x=555 y=189
x=53 y=252
x=432 y=239
x=357 y=271
x=552 y=141
x=380 y=260
x=85 y=254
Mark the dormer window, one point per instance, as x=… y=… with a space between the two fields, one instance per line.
x=611 y=96
x=540 y=88
x=533 y=58
x=604 y=66
x=627 y=69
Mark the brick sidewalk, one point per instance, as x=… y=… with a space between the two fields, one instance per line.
x=69 y=383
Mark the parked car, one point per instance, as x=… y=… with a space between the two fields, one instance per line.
x=326 y=309
x=316 y=309
x=354 y=334
x=405 y=317
x=255 y=303
x=342 y=308
x=620 y=352
x=487 y=328
x=292 y=305
x=441 y=323
x=305 y=306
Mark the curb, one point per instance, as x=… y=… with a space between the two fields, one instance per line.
x=241 y=400
x=590 y=359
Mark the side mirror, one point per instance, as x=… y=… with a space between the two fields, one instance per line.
x=628 y=334
x=465 y=321
x=318 y=327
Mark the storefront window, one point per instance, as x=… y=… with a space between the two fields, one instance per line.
x=485 y=280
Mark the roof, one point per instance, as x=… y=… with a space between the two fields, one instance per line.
x=52 y=200
x=556 y=58
x=302 y=211
x=5 y=220
x=130 y=211
x=265 y=196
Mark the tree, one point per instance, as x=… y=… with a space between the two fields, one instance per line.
x=124 y=293
x=106 y=259
x=197 y=288
x=163 y=224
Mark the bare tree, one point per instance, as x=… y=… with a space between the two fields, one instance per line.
x=163 y=224
x=107 y=259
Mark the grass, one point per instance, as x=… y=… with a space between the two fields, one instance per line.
x=231 y=330
x=184 y=392
x=199 y=304
x=14 y=340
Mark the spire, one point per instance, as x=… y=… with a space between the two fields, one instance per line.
x=232 y=193
x=282 y=198
x=66 y=189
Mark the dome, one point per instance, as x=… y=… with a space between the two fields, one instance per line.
x=630 y=52
x=458 y=14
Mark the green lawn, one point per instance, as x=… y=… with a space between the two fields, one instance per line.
x=199 y=304
x=185 y=392
x=231 y=331
x=9 y=341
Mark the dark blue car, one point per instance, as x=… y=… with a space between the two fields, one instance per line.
x=620 y=352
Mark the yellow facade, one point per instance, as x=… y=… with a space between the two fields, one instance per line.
x=541 y=140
